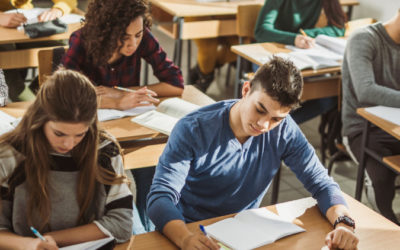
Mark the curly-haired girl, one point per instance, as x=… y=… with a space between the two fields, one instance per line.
x=109 y=48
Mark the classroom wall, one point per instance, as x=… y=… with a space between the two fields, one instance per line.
x=381 y=10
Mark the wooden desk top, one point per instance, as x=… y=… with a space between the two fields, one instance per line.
x=192 y=8
x=16 y=36
x=385 y=125
x=255 y=52
x=374 y=231
x=123 y=129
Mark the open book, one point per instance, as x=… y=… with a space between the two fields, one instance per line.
x=167 y=114
x=251 y=229
x=90 y=245
x=112 y=114
x=387 y=113
x=327 y=52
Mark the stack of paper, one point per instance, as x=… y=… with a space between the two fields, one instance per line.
x=90 y=245
x=112 y=114
x=6 y=122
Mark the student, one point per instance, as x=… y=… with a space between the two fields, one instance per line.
x=13 y=20
x=371 y=77
x=207 y=171
x=282 y=20
x=60 y=173
x=109 y=48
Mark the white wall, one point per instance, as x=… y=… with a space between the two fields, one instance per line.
x=381 y=10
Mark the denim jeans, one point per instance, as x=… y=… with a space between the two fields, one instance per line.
x=143 y=179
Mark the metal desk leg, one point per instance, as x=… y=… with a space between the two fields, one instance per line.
x=361 y=166
x=189 y=57
x=275 y=186
x=178 y=42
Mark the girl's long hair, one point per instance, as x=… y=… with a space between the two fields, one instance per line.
x=334 y=13
x=67 y=96
x=105 y=24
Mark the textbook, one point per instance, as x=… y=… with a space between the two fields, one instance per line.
x=90 y=245
x=167 y=114
x=112 y=114
x=304 y=61
x=251 y=229
x=387 y=113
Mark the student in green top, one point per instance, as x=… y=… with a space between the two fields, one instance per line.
x=282 y=21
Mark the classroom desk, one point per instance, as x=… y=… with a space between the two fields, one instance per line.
x=142 y=146
x=25 y=58
x=317 y=88
x=373 y=230
x=189 y=19
x=392 y=162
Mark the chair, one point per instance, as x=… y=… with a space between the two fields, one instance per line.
x=246 y=19
x=353 y=25
x=49 y=59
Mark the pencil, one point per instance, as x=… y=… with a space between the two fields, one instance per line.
x=124 y=89
x=303 y=33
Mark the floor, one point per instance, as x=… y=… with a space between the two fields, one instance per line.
x=344 y=173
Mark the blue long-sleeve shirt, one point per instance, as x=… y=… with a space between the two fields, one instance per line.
x=206 y=172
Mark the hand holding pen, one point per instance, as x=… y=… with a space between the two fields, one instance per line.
x=12 y=20
x=303 y=41
x=41 y=242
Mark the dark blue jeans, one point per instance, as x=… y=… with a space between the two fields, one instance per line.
x=313 y=108
x=143 y=179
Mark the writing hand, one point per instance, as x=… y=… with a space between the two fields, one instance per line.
x=50 y=14
x=12 y=20
x=199 y=241
x=304 y=42
x=38 y=244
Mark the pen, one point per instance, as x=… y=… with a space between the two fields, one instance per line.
x=303 y=33
x=37 y=234
x=124 y=89
x=222 y=246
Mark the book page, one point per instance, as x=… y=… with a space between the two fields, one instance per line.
x=317 y=51
x=157 y=121
x=4 y=117
x=299 y=60
x=176 y=107
x=335 y=44
x=90 y=245
x=112 y=114
x=388 y=113
x=252 y=228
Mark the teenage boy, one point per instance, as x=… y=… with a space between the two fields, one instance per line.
x=371 y=77
x=221 y=159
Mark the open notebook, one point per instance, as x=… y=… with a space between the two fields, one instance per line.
x=90 y=245
x=251 y=229
x=112 y=114
x=327 y=52
x=167 y=114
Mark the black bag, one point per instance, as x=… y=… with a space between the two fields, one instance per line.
x=42 y=29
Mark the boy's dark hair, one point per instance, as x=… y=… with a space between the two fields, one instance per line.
x=281 y=80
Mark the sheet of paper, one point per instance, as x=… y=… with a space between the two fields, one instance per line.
x=90 y=245
x=388 y=113
x=32 y=15
x=112 y=114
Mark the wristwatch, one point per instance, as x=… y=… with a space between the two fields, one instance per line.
x=346 y=220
